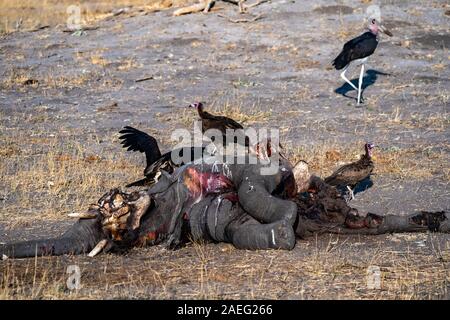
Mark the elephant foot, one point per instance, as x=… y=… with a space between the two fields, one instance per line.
x=255 y=236
x=283 y=235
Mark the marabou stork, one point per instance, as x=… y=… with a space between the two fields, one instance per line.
x=358 y=51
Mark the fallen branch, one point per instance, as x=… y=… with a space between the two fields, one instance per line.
x=144 y=79
x=40 y=28
x=206 y=5
x=80 y=29
x=241 y=6
x=209 y=5
x=235 y=2
x=191 y=9
x=257 y=3
x=259 y=16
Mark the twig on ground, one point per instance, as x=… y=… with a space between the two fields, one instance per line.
x=257 y=3
x=191 y=9
x=38 y=28
x=241 y=6
x=81 y=29
x=144 y=79
x=259 y=16
x=206 y=5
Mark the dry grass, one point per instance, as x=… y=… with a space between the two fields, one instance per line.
x=246 y=115
x=305 y=63
x=67 y=171
x=418 y=162
x=49 y=168
x=22 y=79
x=30 y=14
x=45 y=178
x=331 y=267
x=235 y=110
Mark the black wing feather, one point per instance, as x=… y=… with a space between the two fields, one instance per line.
x=136 y=140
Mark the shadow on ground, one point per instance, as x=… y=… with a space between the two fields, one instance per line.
x=369 y=79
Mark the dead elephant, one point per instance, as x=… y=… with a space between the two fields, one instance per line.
x=222 y=203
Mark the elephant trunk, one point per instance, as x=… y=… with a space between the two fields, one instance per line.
x=79 y=238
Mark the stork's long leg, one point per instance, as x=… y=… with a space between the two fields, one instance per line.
x=345 y=78
x=360 y=82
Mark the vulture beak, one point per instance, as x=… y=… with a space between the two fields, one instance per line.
x=386 y=31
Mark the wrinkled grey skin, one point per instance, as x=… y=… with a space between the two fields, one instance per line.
x=262 y=218
x=258 y=221
x=78 y=239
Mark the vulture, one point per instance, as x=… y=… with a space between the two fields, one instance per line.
x=349 y=175
x=221 y=123
x=136 y=140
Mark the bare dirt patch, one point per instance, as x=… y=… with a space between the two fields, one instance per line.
x=65 y=96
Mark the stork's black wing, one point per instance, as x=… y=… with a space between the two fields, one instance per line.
x=136 y=140
x=357 y=48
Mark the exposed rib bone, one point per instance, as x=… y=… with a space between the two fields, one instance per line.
x=98 y=248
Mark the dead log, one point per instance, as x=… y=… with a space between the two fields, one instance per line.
x=206 y=5
x=191 y=9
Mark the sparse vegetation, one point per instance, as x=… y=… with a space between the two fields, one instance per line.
x=64 y=96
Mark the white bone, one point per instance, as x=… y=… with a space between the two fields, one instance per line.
x=98 y=248
x=82 y=215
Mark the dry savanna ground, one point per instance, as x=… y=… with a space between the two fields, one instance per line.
x=65 y=95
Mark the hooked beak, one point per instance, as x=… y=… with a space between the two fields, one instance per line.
x=386 y=31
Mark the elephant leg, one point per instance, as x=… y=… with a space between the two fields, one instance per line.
x=247 y=233
x=416 y=222
x=222 y=219
x=264 y=207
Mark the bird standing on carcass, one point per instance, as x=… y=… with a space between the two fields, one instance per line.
x=358 y=51
x=232 y=131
